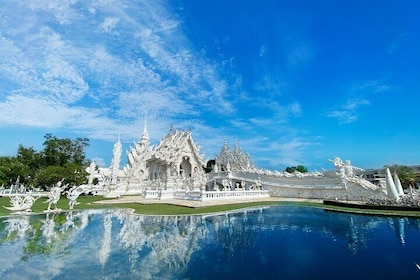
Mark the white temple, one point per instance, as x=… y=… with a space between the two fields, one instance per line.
x=176 y=169
x=155 y=171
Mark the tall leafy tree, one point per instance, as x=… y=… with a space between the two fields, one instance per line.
x=11 y=169
x=60 y=159
x=61 y=151
x=31 y=159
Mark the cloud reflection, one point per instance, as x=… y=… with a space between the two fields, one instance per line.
x=65 y=245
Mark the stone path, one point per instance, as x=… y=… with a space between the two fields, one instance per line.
x=196 y=204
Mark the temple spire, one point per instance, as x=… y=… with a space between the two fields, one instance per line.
x=116 y=159
x=145 y=137
x=145 y=127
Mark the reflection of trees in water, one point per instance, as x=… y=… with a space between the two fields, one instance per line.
x=53 y=235
x=48 y=236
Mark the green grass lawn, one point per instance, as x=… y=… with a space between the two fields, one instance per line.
x=85 y=202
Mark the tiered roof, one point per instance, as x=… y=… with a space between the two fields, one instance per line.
x=234 y=160
x=138 y=155
x=173 y=145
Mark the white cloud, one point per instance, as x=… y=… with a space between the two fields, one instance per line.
x=350 y=110
x=109 y=23
x=290 y=152
x=58 y=68
x=270 y=84
x=62 y=11
x=369 y=87
x=348 y=113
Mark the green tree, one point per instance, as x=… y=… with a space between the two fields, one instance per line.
x=10 y=169
x=61 y=151
x=299 y=168
x=32 y=160
x=60 y=159
x=209 y=165
x=49 y=175
x=290 y=169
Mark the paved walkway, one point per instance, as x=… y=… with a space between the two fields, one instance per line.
x=197 y=204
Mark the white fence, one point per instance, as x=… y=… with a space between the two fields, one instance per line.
x=204 y=195
x=234 y=194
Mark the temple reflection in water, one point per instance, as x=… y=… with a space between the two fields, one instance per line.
x=117 y=243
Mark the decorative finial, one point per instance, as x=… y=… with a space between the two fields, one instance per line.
x=145 y=127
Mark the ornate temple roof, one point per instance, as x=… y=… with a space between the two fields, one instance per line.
x=138 y=155
x=234 y=160
x=174 y=144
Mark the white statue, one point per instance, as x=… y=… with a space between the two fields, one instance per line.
x=92 y=168
x=54 y=196
x=339 y=166
x=21 y=203
x=215 y=168
x=73 y=194
x=348 y=169
x=258 y=183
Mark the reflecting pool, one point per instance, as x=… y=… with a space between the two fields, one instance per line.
x=279 y=242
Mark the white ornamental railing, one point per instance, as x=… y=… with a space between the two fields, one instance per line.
x=234 y=194
x=203 y=195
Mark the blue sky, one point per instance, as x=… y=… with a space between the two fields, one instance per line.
x=293 y=82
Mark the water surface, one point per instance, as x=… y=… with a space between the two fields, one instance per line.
x=276 y=242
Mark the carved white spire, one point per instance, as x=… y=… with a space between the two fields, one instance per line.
x=116 y=159
x=145 y=137
x=136 y=169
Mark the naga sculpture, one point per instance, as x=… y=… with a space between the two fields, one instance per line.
x=21 y=203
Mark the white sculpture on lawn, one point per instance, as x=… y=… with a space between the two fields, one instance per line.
x=73 y=194
x=21 y=203
x=54 y=196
